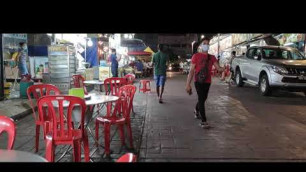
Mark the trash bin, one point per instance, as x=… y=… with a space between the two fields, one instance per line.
x=25 y=83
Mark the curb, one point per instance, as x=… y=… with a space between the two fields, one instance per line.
x=22 y=114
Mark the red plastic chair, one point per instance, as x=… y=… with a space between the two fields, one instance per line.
x=227 y=70
x=127 y=158
x=112 y=85
x=130 y=78
x=8 y=125
x=128 y=92
x=38 y=91
x=64 y=131
x=78 y=82
x=146 y=86
x=114 y=117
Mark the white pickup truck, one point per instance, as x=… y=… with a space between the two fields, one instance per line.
x=271 y=67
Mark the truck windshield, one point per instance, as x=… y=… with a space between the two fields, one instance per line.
x=277 y=53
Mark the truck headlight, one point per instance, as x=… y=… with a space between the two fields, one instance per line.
x=279 y=70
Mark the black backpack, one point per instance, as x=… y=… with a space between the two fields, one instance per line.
x=204 y=72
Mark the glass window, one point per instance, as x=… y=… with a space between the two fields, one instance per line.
x=277 y=53
x=295 y=55
x=251 y=53
x=285 y=55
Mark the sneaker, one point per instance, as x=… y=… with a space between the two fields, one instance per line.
x=196 y=114
x=160 y=101
x=204 y=125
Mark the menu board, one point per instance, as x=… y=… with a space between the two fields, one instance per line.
x=104 y=72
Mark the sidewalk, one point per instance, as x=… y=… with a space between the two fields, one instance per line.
x=15 y=108
x=19 y=109
x=172 y=134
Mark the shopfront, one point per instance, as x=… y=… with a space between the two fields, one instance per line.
x=9 y=65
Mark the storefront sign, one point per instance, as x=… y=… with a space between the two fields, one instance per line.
x=213 y=49
x=292 y=40
x=226 y=43
x=16 y=36
x=104 y=72
x=238 y=38
x=57 y=49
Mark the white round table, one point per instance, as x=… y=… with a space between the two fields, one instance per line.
x=94 y=82
x=100 y=99
x=95 y=99
x=97 y=82
x=19 y=156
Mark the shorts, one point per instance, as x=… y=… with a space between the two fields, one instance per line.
x=160 y=80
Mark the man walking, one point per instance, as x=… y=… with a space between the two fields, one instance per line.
x=159 y=62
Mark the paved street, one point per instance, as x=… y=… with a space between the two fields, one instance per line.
x=245 y=127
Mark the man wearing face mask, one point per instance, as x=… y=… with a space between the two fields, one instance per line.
x=202 y=62
x=22 y=56
x=114 y=63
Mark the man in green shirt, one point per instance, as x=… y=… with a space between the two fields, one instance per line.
x=159 y=62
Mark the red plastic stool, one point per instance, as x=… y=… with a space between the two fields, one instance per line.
x=144 y=84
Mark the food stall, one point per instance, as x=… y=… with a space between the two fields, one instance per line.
x=9 y=66
x=62 y=65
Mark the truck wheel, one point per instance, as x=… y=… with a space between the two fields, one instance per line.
x=264 y=86
x=238 y=78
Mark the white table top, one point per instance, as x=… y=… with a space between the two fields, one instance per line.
x=19 y=156
x=95 y=99
x=100 y=99
x=96 y=82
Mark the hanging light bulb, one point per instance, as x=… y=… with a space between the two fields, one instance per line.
x=89 y=43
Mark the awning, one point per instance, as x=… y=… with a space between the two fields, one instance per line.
x=149 y=50
x=139 y=53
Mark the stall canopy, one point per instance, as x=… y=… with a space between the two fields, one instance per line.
x=149 y=50
x=92 y=53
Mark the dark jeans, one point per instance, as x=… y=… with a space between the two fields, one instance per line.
x=202 y=91
x=114 y=71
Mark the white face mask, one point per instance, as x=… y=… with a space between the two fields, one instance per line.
x=24 y=47
x=205 y=47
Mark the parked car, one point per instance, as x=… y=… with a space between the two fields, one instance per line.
x=270 y=68
x=174 y=67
